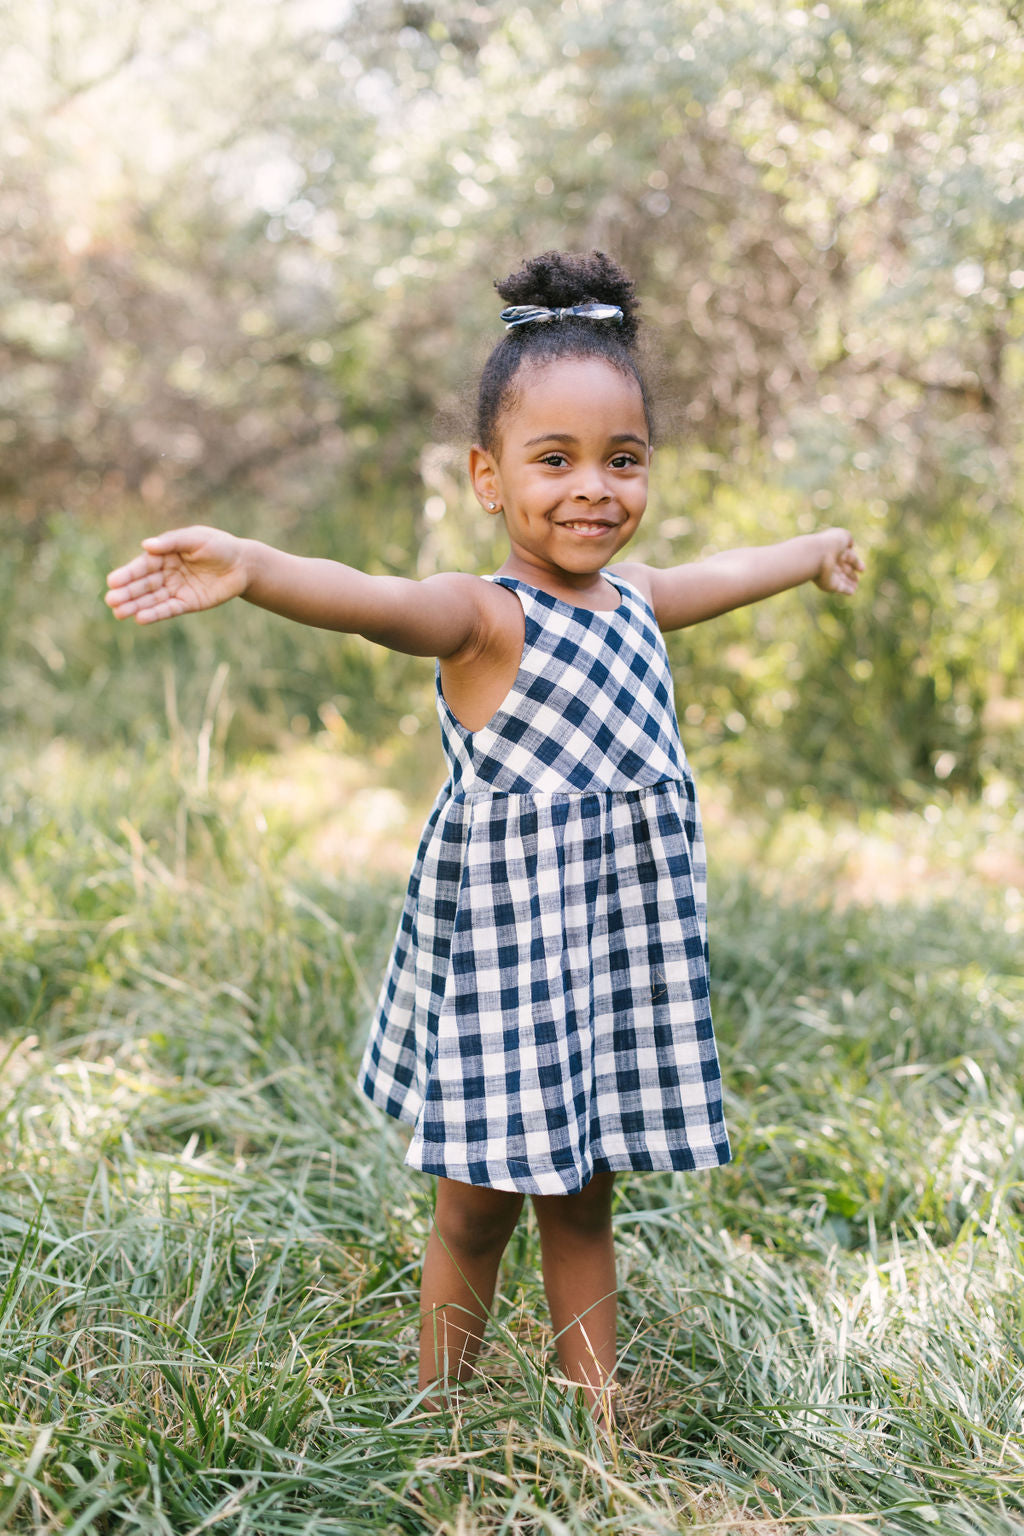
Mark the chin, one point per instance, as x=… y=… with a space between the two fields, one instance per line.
x=586 y=560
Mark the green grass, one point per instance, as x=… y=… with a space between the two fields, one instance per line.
x=209 y=1244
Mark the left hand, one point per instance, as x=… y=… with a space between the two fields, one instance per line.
x=841 y=565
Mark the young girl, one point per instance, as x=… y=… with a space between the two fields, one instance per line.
x=544 y=1020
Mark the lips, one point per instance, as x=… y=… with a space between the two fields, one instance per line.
x=587 y=528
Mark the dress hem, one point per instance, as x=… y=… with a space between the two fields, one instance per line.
x=555 y=1181
x=637 y=1158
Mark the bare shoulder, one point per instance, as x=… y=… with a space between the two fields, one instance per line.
x=491 y=601
x=639 y=576
x=669 y=592
x=497 y=612
x=457 y=585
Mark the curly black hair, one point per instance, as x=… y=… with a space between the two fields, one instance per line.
x=556 y=280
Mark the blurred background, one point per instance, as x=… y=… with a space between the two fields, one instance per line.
x=246 y=257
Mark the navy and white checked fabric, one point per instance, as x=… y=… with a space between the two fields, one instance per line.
x=545 y=1010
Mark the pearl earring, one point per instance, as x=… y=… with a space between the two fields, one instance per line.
x=490 y=506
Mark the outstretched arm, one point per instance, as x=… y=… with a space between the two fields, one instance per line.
x=687 y=594
x=187 y=570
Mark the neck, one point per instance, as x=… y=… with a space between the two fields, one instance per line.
x=585 y=589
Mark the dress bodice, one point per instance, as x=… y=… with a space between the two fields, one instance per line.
x=591 y=707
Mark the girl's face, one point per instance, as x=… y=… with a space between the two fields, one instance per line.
x=571 y=471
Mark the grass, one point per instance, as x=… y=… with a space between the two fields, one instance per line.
x=209 y=1244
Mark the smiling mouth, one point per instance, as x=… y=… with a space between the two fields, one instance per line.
x=587 y=529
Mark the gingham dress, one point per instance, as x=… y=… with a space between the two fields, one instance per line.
x=545 y=1010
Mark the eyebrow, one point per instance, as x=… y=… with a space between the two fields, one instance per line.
x=567 y=437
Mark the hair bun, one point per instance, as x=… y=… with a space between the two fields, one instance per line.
x=558 y=279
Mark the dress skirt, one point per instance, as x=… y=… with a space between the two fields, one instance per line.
x=545 y=1014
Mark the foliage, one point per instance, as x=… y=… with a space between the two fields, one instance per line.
x=245 y=278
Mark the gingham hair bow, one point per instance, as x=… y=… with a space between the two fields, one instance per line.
x=530 y=314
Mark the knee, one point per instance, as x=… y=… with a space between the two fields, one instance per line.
x=588 y=1213
x=477 y=1222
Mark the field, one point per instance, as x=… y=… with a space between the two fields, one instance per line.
x=210 y=1243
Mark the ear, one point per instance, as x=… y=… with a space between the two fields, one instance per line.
x=483 y=471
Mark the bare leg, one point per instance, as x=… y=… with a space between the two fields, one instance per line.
x=579 y=1278
x=472 y=1225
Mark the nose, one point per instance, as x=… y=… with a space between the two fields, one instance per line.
x=590 y=487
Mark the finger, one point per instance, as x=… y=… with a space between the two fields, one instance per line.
x=155 y=599
x=133 y=589
x=142 y=565
x=133 y=598
x=151 y=583
x=841 y=583
x=125 y=602
x=176 y=539
x=170 y=609
x=124 y=609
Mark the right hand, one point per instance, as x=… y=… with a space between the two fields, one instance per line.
x=183 y=571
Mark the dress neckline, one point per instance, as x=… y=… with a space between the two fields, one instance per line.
x=602 y=613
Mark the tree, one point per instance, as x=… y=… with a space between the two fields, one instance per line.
x=248 y=255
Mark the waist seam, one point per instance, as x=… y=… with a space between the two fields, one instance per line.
x=488 y=792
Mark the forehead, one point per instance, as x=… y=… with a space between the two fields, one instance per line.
x=581 y=396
